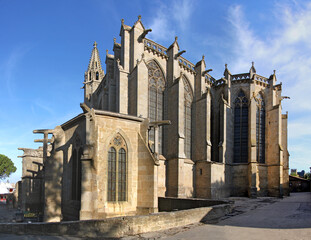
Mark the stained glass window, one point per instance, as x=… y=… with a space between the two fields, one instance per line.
x=187 y=117
x=117 y=170
x=241 y=128
x=122 y=175
x=260 y=128
x=155 y=100
x=76 y=175
x=112 y=174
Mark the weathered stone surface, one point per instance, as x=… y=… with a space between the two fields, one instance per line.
x=120 y=226
x=196 y=156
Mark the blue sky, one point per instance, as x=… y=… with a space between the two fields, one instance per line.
x=45 y=47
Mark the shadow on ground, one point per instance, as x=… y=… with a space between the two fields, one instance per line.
x=286 y=213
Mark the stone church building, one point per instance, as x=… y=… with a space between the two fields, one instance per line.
x=156 y=125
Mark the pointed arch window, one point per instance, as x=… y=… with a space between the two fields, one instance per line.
x=97 y=75
x=156 y=86
x=76 y=174
x=90 y=76
x=260 y=128
x=117 y=170
x=187 y=117
x=241 y=128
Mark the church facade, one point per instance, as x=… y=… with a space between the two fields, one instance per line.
x=156 y=125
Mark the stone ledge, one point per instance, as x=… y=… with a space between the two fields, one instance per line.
x=120 y=226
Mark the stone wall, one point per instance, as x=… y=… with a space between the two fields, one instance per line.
x=240 y=180
x=120 y=226
x=162 y=178
x=188 y=179
x=141 y=168
x=31 y=191
x=263 y=180
x=74 y=134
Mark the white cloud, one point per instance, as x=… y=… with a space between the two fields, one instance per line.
x=10 y=67
x=300 y=128
x=44 y=105
x=161 y=28
x=286 y=49
x=169 y=17
x=182 y=11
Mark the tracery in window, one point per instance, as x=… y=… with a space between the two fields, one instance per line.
x=117 y=170
x=241 y=128
x=187 y=117
x=260 y=128
x=155 y=100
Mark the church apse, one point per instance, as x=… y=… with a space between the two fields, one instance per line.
x=155 y=124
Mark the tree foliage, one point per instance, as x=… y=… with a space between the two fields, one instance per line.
x=6 y=166
x=307 y=176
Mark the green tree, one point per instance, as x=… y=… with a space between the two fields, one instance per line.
x=307 y=176
x=6 y=166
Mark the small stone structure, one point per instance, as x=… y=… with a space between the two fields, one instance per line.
x=156 y=125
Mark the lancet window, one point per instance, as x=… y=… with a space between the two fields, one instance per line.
x=76 y=174
x=187 y=117
x=241 y=128
x=260 y=128
x=156 y=87
x=117 y=170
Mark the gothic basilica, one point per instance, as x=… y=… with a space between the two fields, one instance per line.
x=152 y=125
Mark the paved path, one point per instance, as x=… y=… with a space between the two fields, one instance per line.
x=288 y=218
x=252 y=219
x=6 y=214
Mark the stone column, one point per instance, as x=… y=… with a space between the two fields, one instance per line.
x=53 y=173
x=136 y=45
x=252 y=159
x=87 y=179
x=175 y=153
x=121 y=77
x=223 y=130
x=125 y=46
x=87 y=200
x=141 y=91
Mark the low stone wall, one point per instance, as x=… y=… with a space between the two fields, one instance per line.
x=120 y=226
x=167 y=204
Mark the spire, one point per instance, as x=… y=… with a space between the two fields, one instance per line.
x=175 y=43
x=95 y=63
x=202 y=61
x=93 y=76
x=227 y=73
x=252 y=71
x=139 y=22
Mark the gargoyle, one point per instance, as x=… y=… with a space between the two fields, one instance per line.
x=143 y=35
x=180 y=53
